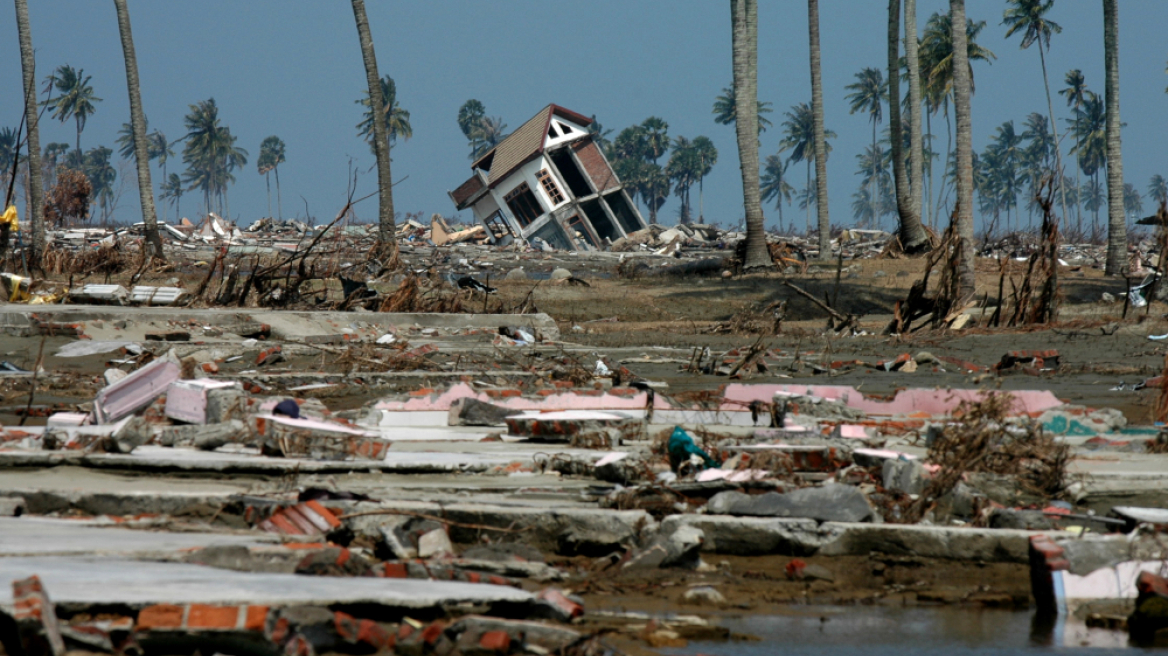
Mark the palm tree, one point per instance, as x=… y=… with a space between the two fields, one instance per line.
x=799 y=138
x=470 y=116
x=76 y=99
x=1007 y=148
x=874 y=199
x=1158 y=189
x=868 y=95
x=936 y=55
x=490 y=132
x=599 y=134
x=820 y=134
x=1029 y=17
x=54 y=153
x=397 y=120
x=172 y=190
x=9 y=155
x=707 y=154
x=102 y=176
x=1089 y=130
x=912 y=234
x=1093 y=197
x=916 y=155
x=682 y=169
x=157 y=147
x=726 y=110
x=36 y=198
x=1076 y=93
x=657 y=141
x=774 y=184
x=138 y=120
x=962 y=88
x=387 y=246
x=744 y=19
x=210 y=153
x=270 y=157
x=1116 y=222
x=1133 y=203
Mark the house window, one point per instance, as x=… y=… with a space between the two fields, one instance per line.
x=497 y=225
x=524 y=205
x=549 y=185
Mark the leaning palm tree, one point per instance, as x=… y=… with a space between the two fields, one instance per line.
x=744 y=20
x=869 y=92
x=138 y=121
x=726 y=110
x=386 y=249
x=966 y=280
x=210 y=154
x=912 y=234
x=32 y=127
x=490 y=132
x=1116 y=221
x=77 y=98
x=1029 y=17
x=819 y=140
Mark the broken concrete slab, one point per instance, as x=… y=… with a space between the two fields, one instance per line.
x=41 y=536
x=135 y=391
x=839 y=503
x=187 y=400
x=584 y=427
x=469 y=411
x=137 y=584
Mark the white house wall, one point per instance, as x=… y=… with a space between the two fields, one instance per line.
x=577 y=132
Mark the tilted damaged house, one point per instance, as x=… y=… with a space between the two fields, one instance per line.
x=548 y=179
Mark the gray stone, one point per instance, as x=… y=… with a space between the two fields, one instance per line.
x=503 y=552
x=704 y=595
x=838 y=503
x=435 y=543
x=678 y=548
x=907 y=476
x=524 y=634
x=12 y=506
x=924 y=357
x=133 y=434
x=1030 y=520
x=815 y=572
x=560 y=274
x=469 y=411
x=516 y=274
x=226 y=403
x=1108 y=298
x=207 y=437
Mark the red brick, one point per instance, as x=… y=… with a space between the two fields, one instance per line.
x=496 y=641
x=203 y=616
x=160 y=616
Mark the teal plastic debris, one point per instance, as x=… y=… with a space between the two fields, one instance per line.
x=682 y=447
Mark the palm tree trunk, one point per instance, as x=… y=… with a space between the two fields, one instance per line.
x=1116 y=221
x=1058 y=155
x=279 y=205
x=268 y=182
x=821 y=209
x=929 y=205
x=912 y=234
x=967 y=282
x=916 y=140
x=36 y=202
x=138 y=125
x=385 y=219
x=808 y=190
x=873 y=192
x=744 y=15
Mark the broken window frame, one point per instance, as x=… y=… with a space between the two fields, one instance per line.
x=497 y=225
x=522 y=202
x=550 y=187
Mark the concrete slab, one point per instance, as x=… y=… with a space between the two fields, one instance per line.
x=97 y=580
x=40 y=536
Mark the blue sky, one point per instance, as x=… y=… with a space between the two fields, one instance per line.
x=293 y=68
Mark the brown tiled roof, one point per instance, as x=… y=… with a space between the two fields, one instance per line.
x=526 y=141
x=466 y=190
